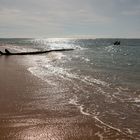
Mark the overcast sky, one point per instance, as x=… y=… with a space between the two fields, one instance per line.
x=70 y=18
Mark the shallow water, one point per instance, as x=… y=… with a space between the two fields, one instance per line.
x=101 y=80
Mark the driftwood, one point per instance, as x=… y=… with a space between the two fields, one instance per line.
x=7 y=52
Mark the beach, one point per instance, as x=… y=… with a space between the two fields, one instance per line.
x=89 y=93
x=29 y=111
x=69 y=70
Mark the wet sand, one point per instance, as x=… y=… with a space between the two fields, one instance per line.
x=28 y=111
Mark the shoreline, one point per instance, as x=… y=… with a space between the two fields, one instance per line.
x=29 y=111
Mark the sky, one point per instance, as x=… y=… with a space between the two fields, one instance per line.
x=70 y=18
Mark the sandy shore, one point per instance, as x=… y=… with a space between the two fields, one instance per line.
x=29 y=112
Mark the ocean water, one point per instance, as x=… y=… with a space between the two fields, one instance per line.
x=102 y=80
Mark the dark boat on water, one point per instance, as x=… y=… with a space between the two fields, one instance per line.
x=117 y=43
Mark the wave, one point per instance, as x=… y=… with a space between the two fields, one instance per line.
x=74 y=101
x=49 y=69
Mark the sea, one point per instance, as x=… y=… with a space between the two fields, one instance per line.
x=100 y=79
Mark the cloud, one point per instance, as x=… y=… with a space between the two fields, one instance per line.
x=52 y=17
x=135 y=12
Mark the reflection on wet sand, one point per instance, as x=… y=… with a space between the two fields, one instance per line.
x=74 y=127
x=31 y=109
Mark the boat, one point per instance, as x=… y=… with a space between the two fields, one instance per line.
x=117 y=43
